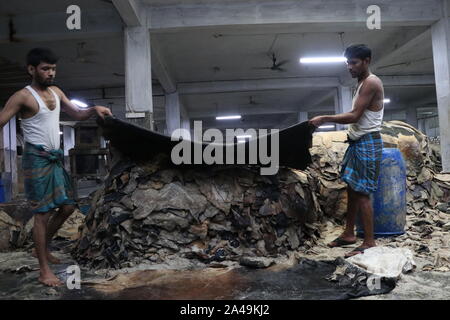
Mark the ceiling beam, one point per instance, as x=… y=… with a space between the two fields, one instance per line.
x=404 y=48
x=265 y=123
x=131 y=12
x=52 y=26
x=393 y=13
x=245 y=111
x=423 y=101
x=159 y=68
x=315 y=99
x=289 y=121
x=277 y=110
x=408 y=81
x=293 y=83
x=256 y=85
x=270 y=110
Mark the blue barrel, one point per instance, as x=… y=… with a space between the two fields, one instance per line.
x=389 y=201
x=2 y=192
x=85 y=208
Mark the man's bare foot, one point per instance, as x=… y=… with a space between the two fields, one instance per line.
x=342 y=240
x=49 y=279
x=51 y=258
x=359 y=250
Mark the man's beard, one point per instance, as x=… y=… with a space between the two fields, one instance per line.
x=45 y=83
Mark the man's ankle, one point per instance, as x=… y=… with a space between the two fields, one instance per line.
x=46 y=270
x=348 y=234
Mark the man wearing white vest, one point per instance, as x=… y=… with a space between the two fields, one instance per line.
x=361 y=164
x=47 y=184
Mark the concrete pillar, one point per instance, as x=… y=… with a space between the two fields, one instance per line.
x=440 y=34
x=337 y=108
x=163 y=128
x=69 y=143
x=186 y=124
x=342 y=103
x=302 y=116
x=8 y=160
x=138 y=76
x=427 y=128
x=173 y=112
x=421 y=125
x=411 y=116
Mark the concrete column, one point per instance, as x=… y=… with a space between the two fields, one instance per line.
x=69 y=143
x=440 y=34
x=8 y=160
x=342 y=103
x=138 y=76
x=173 y=112
x=185 y=121
x=428 y=129
x=163 y=128
x=411 y=116
x=186 y=124
x=337 y=108
x=302 y=116
x=421 y=125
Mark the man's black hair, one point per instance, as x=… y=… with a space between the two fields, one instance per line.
x=37 y=55
x=358 y=51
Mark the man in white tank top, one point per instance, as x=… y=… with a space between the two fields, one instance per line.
x=361 y=164
x=47 y=184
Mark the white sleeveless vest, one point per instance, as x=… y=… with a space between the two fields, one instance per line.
x=43 y=127
x=370 y=121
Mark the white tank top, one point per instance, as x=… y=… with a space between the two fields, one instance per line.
x=370 y=121
x=43 y=127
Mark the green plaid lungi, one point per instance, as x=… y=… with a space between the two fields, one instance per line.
x=361 y=164
x=47 y=183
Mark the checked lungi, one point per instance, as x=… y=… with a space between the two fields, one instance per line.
x=361 y=164
x=47 y=183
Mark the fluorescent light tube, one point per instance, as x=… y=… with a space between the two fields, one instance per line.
x=228 y=117
x=79 y=103
x=323 y=59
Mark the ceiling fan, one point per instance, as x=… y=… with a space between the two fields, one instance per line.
x=12 y=31
x=253 y=102
x=275 y=66
x=82 y=55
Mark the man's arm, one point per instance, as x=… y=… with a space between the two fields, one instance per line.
x=366 y=94
x=12 y=107
x=77 y=113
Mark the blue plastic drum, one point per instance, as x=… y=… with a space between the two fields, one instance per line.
x=389 y=201
x=2 y=191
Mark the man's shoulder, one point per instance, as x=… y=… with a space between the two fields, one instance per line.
x=375 y=80
x=57 y=90
x=373 y=83
x=21 y=95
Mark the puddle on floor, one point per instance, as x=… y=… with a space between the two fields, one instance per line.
x=306 y=280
